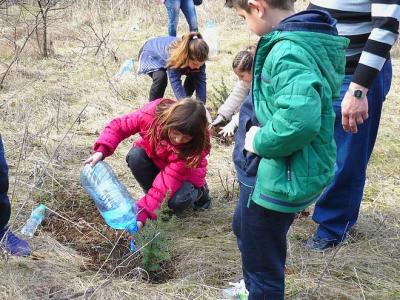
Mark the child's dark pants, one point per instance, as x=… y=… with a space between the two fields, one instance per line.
x=261 y=237
x=5 y=207
x=160 y=81
x=145 y=171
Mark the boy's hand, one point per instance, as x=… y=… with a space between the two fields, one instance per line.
x=94 y=159
x=248 y=142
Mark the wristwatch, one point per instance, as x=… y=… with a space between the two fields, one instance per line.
x=359 y=94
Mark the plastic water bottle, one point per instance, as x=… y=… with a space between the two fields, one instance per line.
x=211 y=37
x=126 y=67
x=111 y=197
x=36 y=218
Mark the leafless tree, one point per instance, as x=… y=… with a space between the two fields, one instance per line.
x=46 y=9
x=17 y=26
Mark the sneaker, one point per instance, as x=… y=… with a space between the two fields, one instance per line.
x=319 y=244
x=14 y=245
x=204 y=200
x=236 y=291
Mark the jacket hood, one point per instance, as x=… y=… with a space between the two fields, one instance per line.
x=313 y=20
x=307 y=29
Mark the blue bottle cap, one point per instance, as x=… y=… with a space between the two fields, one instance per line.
x=132 y=228
x=132 y=246
x=42 y=206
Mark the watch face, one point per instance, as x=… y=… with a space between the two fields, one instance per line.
x=358 y=93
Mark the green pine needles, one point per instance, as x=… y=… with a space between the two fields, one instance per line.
x=219 y=94
x=153 y=241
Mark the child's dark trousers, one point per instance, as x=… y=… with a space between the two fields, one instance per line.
x=5 y=207
x=145 y=171
x=261 y=237
x=160 y=82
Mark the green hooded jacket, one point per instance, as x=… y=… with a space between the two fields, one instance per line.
x=296 y=74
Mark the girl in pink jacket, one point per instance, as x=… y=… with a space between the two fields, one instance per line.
x=168 y=159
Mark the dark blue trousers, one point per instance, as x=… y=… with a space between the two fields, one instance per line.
x=145 y=171
x=261 y=237
x=5 y=207
x=337 y=210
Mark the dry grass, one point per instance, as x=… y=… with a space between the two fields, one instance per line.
x=46 y=141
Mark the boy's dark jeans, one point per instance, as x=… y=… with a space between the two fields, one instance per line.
x=5 y=207
x=160 y=81
x=261 y=237
x=145 y=171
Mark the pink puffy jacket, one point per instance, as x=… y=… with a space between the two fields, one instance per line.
x=173 y=171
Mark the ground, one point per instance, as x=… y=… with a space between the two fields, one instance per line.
x=52 y=111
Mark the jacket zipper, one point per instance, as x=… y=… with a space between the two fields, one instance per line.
x=289 y=168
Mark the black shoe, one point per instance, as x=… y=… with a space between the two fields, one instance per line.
x=204 y=200
x=319 y=244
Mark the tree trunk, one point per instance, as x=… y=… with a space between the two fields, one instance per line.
x=45 y=50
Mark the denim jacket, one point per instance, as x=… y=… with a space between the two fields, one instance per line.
x=154 y=56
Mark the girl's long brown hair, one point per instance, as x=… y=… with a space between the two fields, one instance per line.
x=188 y=116
x=190 y=47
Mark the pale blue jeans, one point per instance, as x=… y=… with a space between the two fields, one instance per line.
x=188 y=9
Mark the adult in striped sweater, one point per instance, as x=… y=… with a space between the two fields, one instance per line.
x=372 y=27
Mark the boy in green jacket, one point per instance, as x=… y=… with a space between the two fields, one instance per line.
x=284 y=150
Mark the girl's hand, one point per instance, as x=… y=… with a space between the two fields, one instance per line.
x=139 y=225
x=92 y=160
x=208 y=116
x=219 y=119
x=228 y=129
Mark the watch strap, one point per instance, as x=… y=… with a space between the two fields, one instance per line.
x=359 y=94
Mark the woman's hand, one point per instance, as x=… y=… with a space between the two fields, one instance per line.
x=94 y=159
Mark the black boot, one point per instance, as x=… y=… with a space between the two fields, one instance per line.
x=204 y=200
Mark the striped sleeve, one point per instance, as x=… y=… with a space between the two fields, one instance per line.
x=385 y=16
x=372 y=27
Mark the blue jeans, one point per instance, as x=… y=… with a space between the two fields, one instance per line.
x=188 y=9
x=5 y=207
x=337 y=210
x=261 y=237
